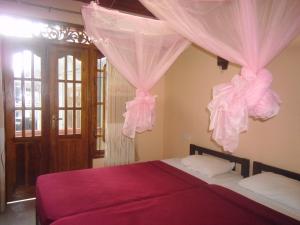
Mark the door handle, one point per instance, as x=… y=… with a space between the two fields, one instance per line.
x=54 y=119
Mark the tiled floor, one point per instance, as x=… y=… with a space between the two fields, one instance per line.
x=22 y=213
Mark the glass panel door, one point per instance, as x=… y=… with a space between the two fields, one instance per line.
x=69 y=78
x=26 y=116
x=68 y=107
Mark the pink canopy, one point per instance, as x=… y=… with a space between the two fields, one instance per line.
x=247 y=32
x=141 y=49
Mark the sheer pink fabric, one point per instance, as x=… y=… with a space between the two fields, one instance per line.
x=141 y=49
x=247 y=32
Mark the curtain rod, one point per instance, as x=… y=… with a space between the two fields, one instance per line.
x=42 y=6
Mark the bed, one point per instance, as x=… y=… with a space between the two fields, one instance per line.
x=209 y=204
x=181 y=197
x=67 y=194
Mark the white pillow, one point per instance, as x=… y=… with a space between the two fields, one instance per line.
x=207 y=165
x=276 y=187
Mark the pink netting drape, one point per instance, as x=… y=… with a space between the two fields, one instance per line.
x=141 y=49
x=247 y=32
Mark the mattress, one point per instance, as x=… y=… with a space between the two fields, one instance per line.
x=68 y=193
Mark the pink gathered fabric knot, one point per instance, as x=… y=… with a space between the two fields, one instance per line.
x=248 y=94
x=139 y=115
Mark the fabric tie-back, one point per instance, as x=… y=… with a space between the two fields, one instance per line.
x=246 y=95
x=139 y=115
x=246 y=32
x=141 y=49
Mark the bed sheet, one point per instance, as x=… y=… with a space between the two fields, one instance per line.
x=204 y=205
x=68 y=193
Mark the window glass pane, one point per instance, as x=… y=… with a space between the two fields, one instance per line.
x=61 y=122
x=99 y=117
x=61 y=94
x=70 y=94
x=99 y=90
x=61 y=68
x=103 y=63
x=78 y=69
x=28 y=94
x=101 y=114
x=98 y=64
x=100 y=144
x=27 y=63
x=78 y=95
x=102 y=89
x=18 y=64
x=70 y=67
x=37 y=94
x=37 y=66
x=28 y=123
x=18 y=123
x=78 y=121
x=70 y=122
x=18 y=93
x=37 y=123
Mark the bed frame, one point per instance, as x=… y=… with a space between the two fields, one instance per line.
x=259 y=167
x=245 y=163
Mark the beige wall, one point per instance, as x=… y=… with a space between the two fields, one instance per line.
x=188 y=91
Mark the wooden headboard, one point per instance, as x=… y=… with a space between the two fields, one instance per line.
x=245 y=163
x=259 y=167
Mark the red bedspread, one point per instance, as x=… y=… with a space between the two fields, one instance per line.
x=204 y=205
x=69 y=193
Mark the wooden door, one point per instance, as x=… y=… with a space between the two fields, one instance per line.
x=68 y=108
x=26 y=117
x=46 y=112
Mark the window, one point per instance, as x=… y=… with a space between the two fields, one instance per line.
x=69 y=95
x=100 y=104
x=27 y=81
